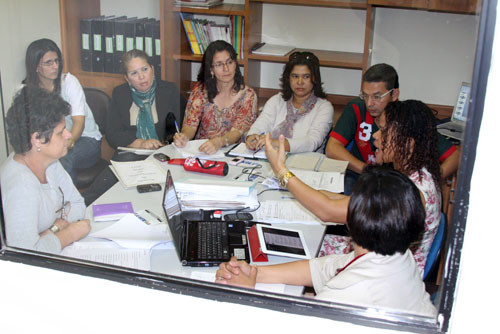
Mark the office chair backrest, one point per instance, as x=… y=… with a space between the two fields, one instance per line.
x=98 y=102
x=437 y=244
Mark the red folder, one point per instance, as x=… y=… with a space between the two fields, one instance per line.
x=255 y=249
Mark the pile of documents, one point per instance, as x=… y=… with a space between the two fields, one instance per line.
x=198 y=193
x=134 y=173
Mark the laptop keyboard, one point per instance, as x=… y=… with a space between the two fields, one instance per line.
x=212 y=241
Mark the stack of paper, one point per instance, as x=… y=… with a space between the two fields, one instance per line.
x=216 y=194
x=273 y=49
x=134 y=173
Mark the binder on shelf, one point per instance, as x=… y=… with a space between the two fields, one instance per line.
x=86 y=53
x=157 y=48
x=130 y=34
x=97 y=44
x=149 y=38
x=109 y=42
x=120 y=46
x=140 y=33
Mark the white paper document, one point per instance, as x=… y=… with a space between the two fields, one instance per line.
x=109 y=254
x=242 y=151
x=131 y=232
x=273 y=49
x=192 y=150
x=284 y=211
x=331 y=181
x=134 y=173
x=210 y=277
x=316 y=162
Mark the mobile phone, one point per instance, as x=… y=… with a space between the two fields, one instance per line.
x=146 y=188
x=239 y=216
x=161 y=157
x=235 y=161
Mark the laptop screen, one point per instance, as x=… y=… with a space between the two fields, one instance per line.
x=462 y=106
x=173 y=213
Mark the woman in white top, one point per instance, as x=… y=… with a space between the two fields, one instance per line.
x=44 y=67
x=300 y=111
x=43 y=210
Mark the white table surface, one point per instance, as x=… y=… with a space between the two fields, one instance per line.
x=164 y=260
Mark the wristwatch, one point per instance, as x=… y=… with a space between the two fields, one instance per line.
x=284 y=177
x=54 y=228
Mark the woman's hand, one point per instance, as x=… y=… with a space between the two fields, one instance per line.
x=151 y=144
x=211 y=146
x=276 y=157
x=180 y=139
x=255 y=142
x=79 y=229
x=237 y=273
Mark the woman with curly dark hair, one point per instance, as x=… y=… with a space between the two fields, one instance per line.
x=43 y=210
x=220 y=108
x=300 y=111
x=407 y=140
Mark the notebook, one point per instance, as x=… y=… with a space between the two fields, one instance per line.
x=455 y=127
x=202 y=243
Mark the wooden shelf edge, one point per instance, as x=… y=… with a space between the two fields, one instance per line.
x=225 y=9
x=337 y=59
x=196 y=58
x=353 y=4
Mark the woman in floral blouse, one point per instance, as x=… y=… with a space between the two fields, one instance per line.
x=220 y=108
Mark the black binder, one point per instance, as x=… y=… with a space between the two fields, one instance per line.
x=157 y=49
x=86 y=53
x=130 y=34
x=120 y=46
x=97 y=46
x=149 y=47
x=140 y=33
x=109 y=42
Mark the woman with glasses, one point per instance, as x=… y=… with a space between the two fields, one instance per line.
x=300 y=112
x=42 y=208
x=220 y=108
x=44 y=65
x=407 y=139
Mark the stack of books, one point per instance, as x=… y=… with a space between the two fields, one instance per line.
x=198 y=3
x=201 y=30
x=104 y=40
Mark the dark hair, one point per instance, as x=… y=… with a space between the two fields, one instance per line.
x=382 y=73
x=34 y=110
x=385 y=213
x=205 y=75
x=412 y=127
x=131 y=54
x=34 y=54
x=302 y=58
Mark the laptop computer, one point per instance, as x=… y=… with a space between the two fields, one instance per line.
x=455 y=127
x=202 y=243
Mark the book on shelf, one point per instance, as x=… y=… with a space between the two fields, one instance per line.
x=86 y=33
x=157 y=48
x=273 y=49
x=188 y=28
x=198 y=3
x=109 y=43
x=97 y=44
x=111 y=211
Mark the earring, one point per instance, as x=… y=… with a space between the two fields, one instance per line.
x=213 y=75
x=38 y=149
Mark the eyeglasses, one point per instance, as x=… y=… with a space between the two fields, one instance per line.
x=51 y=62
x=376 y=98
x=220 y=64
x=65 y=207
x=309 y=56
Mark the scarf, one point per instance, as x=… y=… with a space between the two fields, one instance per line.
x=145 y=125
x=286 y=127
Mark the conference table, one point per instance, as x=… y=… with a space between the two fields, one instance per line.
x=164 y=258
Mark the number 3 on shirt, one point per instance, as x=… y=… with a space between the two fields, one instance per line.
x=365 y=131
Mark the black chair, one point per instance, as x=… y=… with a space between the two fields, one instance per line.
x=98 y=102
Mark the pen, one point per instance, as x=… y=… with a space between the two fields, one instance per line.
x=176 y=126
x=287 y=197
x=141 y=218
x=154 y=215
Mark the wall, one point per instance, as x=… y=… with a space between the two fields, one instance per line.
x=18 y=28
